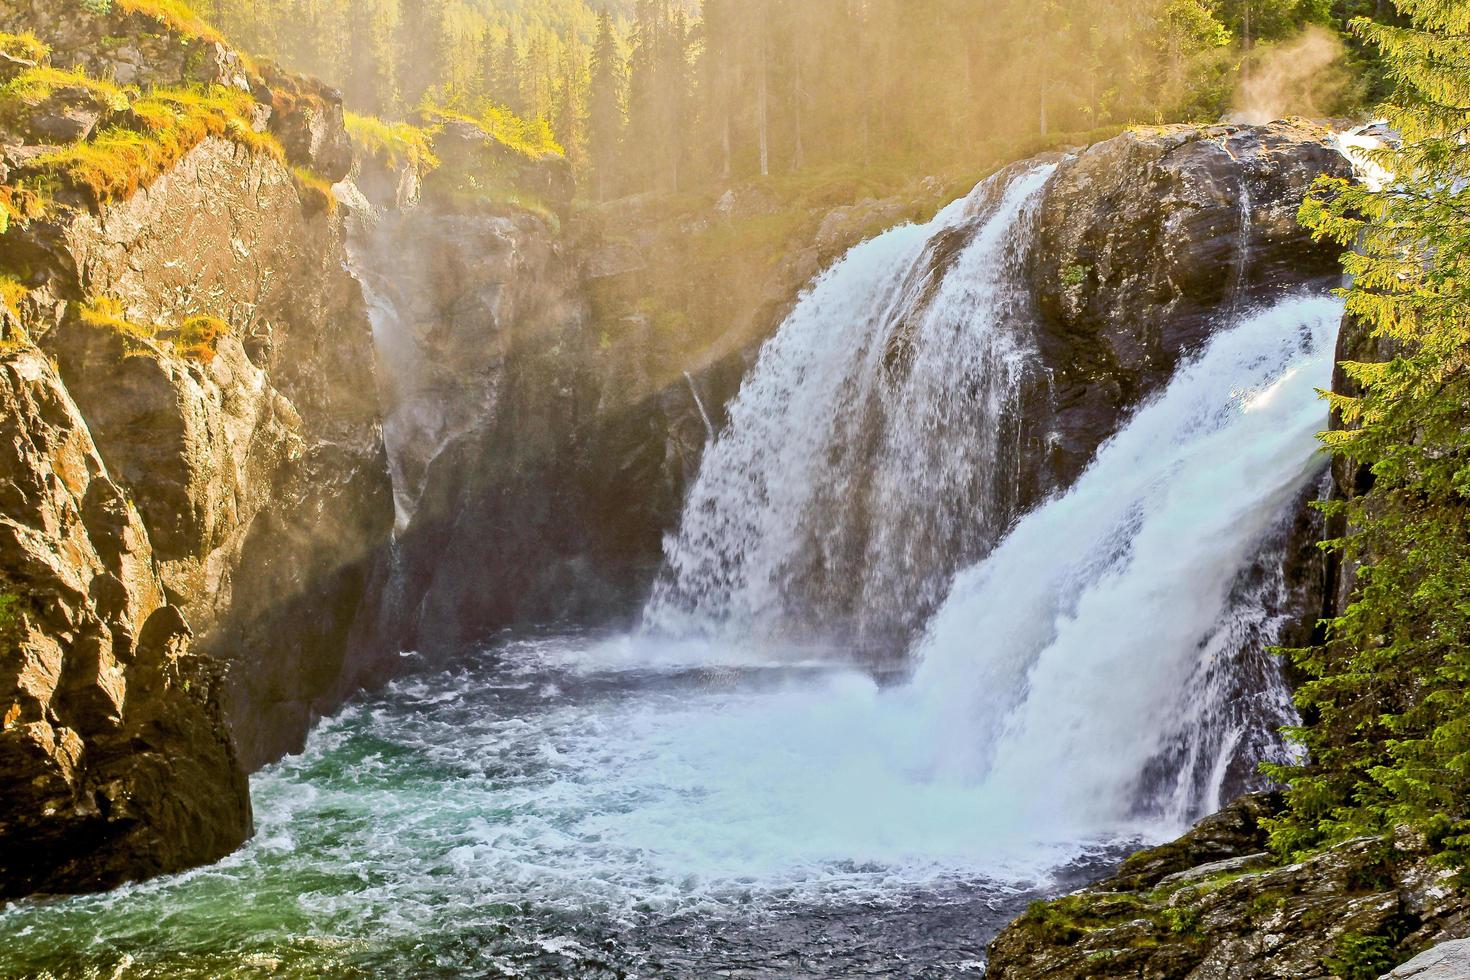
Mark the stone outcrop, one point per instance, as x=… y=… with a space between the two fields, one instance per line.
x=1447 y=961
x=1151 y=241
x=201 y=490
x=1215 y=905
x=141 y=48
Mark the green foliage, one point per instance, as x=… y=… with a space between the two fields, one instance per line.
x=1360 y=957
x=10 y=621
x=682 y=94
x=396 y=144
x=1387 y=704
x=1074 y=275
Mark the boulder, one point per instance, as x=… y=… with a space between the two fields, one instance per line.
x=1353 y=910
x=1447 y=961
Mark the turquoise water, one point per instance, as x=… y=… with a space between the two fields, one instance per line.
x=566 y=807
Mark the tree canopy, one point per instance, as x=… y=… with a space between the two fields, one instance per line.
x=668 y=94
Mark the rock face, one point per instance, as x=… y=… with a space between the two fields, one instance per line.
x=1214 y=905
x=114 y=754
x=1151 y=241
x=192 y=518
x=1447 y=961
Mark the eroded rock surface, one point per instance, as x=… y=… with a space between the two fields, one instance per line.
x=1214 y=906
x=114 y=753
x=193 y=516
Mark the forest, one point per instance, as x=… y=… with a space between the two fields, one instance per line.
x=661 y=95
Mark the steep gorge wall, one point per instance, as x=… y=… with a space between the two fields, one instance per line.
x=196 y=527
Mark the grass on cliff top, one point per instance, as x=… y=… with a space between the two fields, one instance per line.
x=153 y=133
x=396 y=144
x=24 y=46
x=196 y=338
x=35 y=85
x=174 y=15
x=532 y=139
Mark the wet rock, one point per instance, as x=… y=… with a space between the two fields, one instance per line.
x=1150 y=242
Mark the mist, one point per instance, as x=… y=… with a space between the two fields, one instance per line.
x=1302 y=76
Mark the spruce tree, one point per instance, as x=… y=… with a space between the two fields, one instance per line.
x=1388 y=703
x=605 y=108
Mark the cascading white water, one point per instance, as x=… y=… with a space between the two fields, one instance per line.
x=1098 y=639
x=1106 y=665
x=873 y=447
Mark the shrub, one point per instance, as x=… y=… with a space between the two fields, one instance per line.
x=1359 y=957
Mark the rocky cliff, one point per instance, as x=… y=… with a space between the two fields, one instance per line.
x=193 y=440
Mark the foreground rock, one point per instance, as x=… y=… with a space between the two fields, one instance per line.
x=1215 y=905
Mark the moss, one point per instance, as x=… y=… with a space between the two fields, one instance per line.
x=165 y=125
x=196 y=338
x=24 y=47
x=315 y=190
x=10 y=629
x=396 y=144
x=1074 y=275
x=22 y=202
x=108 y=314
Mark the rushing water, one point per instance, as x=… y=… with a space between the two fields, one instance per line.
x=690 y=800
x=574 y=807
x=873 y=448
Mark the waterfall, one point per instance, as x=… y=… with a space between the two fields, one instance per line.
x=874 y=447
x=1098 y=664
x=1092 y=665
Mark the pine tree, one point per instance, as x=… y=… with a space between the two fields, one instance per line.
x=1388 y=704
